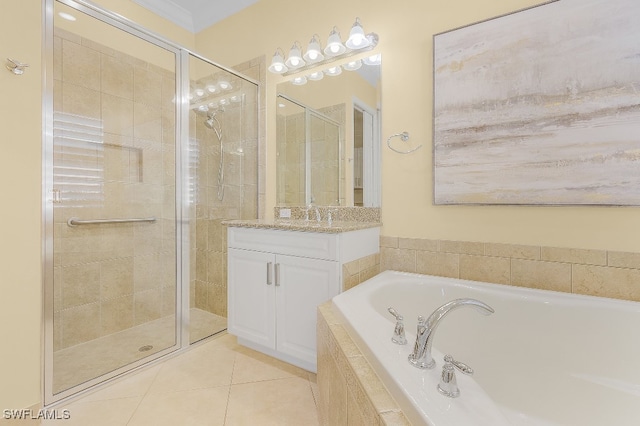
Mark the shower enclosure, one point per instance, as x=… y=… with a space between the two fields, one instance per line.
x=148 y=147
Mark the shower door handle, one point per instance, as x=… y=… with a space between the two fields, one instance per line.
x=269 y=266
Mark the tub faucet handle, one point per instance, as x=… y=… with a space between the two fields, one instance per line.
x=448 y=385
x=398 y=332
x=464 y=368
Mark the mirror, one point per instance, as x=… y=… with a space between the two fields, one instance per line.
x=328 y=138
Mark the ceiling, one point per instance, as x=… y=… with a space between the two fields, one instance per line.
x=195 y=15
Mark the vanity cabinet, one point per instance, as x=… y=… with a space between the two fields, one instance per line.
x=277 y=279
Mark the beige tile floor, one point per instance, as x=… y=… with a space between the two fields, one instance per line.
x=216 y=382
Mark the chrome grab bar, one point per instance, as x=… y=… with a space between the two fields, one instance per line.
x=74 y=221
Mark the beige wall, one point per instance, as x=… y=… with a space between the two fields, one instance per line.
x=20 y=170
x=406 y=45
x=20 y=173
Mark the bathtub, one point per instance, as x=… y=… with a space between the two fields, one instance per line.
x=543 y=357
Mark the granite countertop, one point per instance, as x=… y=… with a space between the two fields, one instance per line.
x=337 y=226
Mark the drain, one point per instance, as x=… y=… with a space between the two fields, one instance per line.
x=145 y=348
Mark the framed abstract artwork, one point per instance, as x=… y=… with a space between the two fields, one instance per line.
x=540 y=107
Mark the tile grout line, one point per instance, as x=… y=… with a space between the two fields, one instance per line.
x=155 y=377
x=233 y=370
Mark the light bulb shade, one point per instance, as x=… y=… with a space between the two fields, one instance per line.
x=357 y=38
x=299 y=81
x=224 y=85
x=295 y=61
x=277 y=63
x=352 y=65
x=334 y=45
x=373 y=60
x=333 y=71
x=314 y=52
x=315 y=76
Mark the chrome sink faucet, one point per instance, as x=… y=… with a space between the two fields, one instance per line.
x=311 y=207
x=421 y=356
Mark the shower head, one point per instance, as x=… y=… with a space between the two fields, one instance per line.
x=211 y=121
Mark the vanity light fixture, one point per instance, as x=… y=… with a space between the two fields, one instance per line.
x=299 y=81
x=357 y=39
x=224 y=85
x=373 y=60
x=334 y=50
x=334 y=44
x=314 y=52
x=277 y=63
x=295 y=61
x=333 y=71
x=315 y=76
x=352 y=65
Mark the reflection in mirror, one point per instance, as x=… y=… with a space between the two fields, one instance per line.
x=309 y=146
x=327 y=131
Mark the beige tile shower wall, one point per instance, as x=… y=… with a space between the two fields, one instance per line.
x=111 y=277
x=590 y=272
x=254 y=167
x=292 y=164
x=243 y=193
x=211 y=267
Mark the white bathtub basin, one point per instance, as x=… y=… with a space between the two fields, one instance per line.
x=543 y=358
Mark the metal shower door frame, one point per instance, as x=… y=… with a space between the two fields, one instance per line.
x=182 y=204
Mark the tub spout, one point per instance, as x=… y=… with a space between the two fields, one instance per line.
x=421 y=356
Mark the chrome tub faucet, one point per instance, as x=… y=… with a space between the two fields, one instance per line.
x=421 y=356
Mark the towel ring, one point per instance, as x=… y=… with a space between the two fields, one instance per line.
x=405 y=137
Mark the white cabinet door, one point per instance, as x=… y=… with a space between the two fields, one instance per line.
x=302 y=284
x=251 y=296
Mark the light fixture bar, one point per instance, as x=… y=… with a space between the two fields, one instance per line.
x=372 y=37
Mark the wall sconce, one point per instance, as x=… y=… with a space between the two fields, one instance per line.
x=357 y=42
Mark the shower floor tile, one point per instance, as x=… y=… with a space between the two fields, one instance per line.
x=216 y=382
x=85 y=361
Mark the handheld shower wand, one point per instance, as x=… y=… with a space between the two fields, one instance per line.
x=212 y=123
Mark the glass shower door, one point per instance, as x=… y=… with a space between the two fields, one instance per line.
x=223 y=172
x=112 y=214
